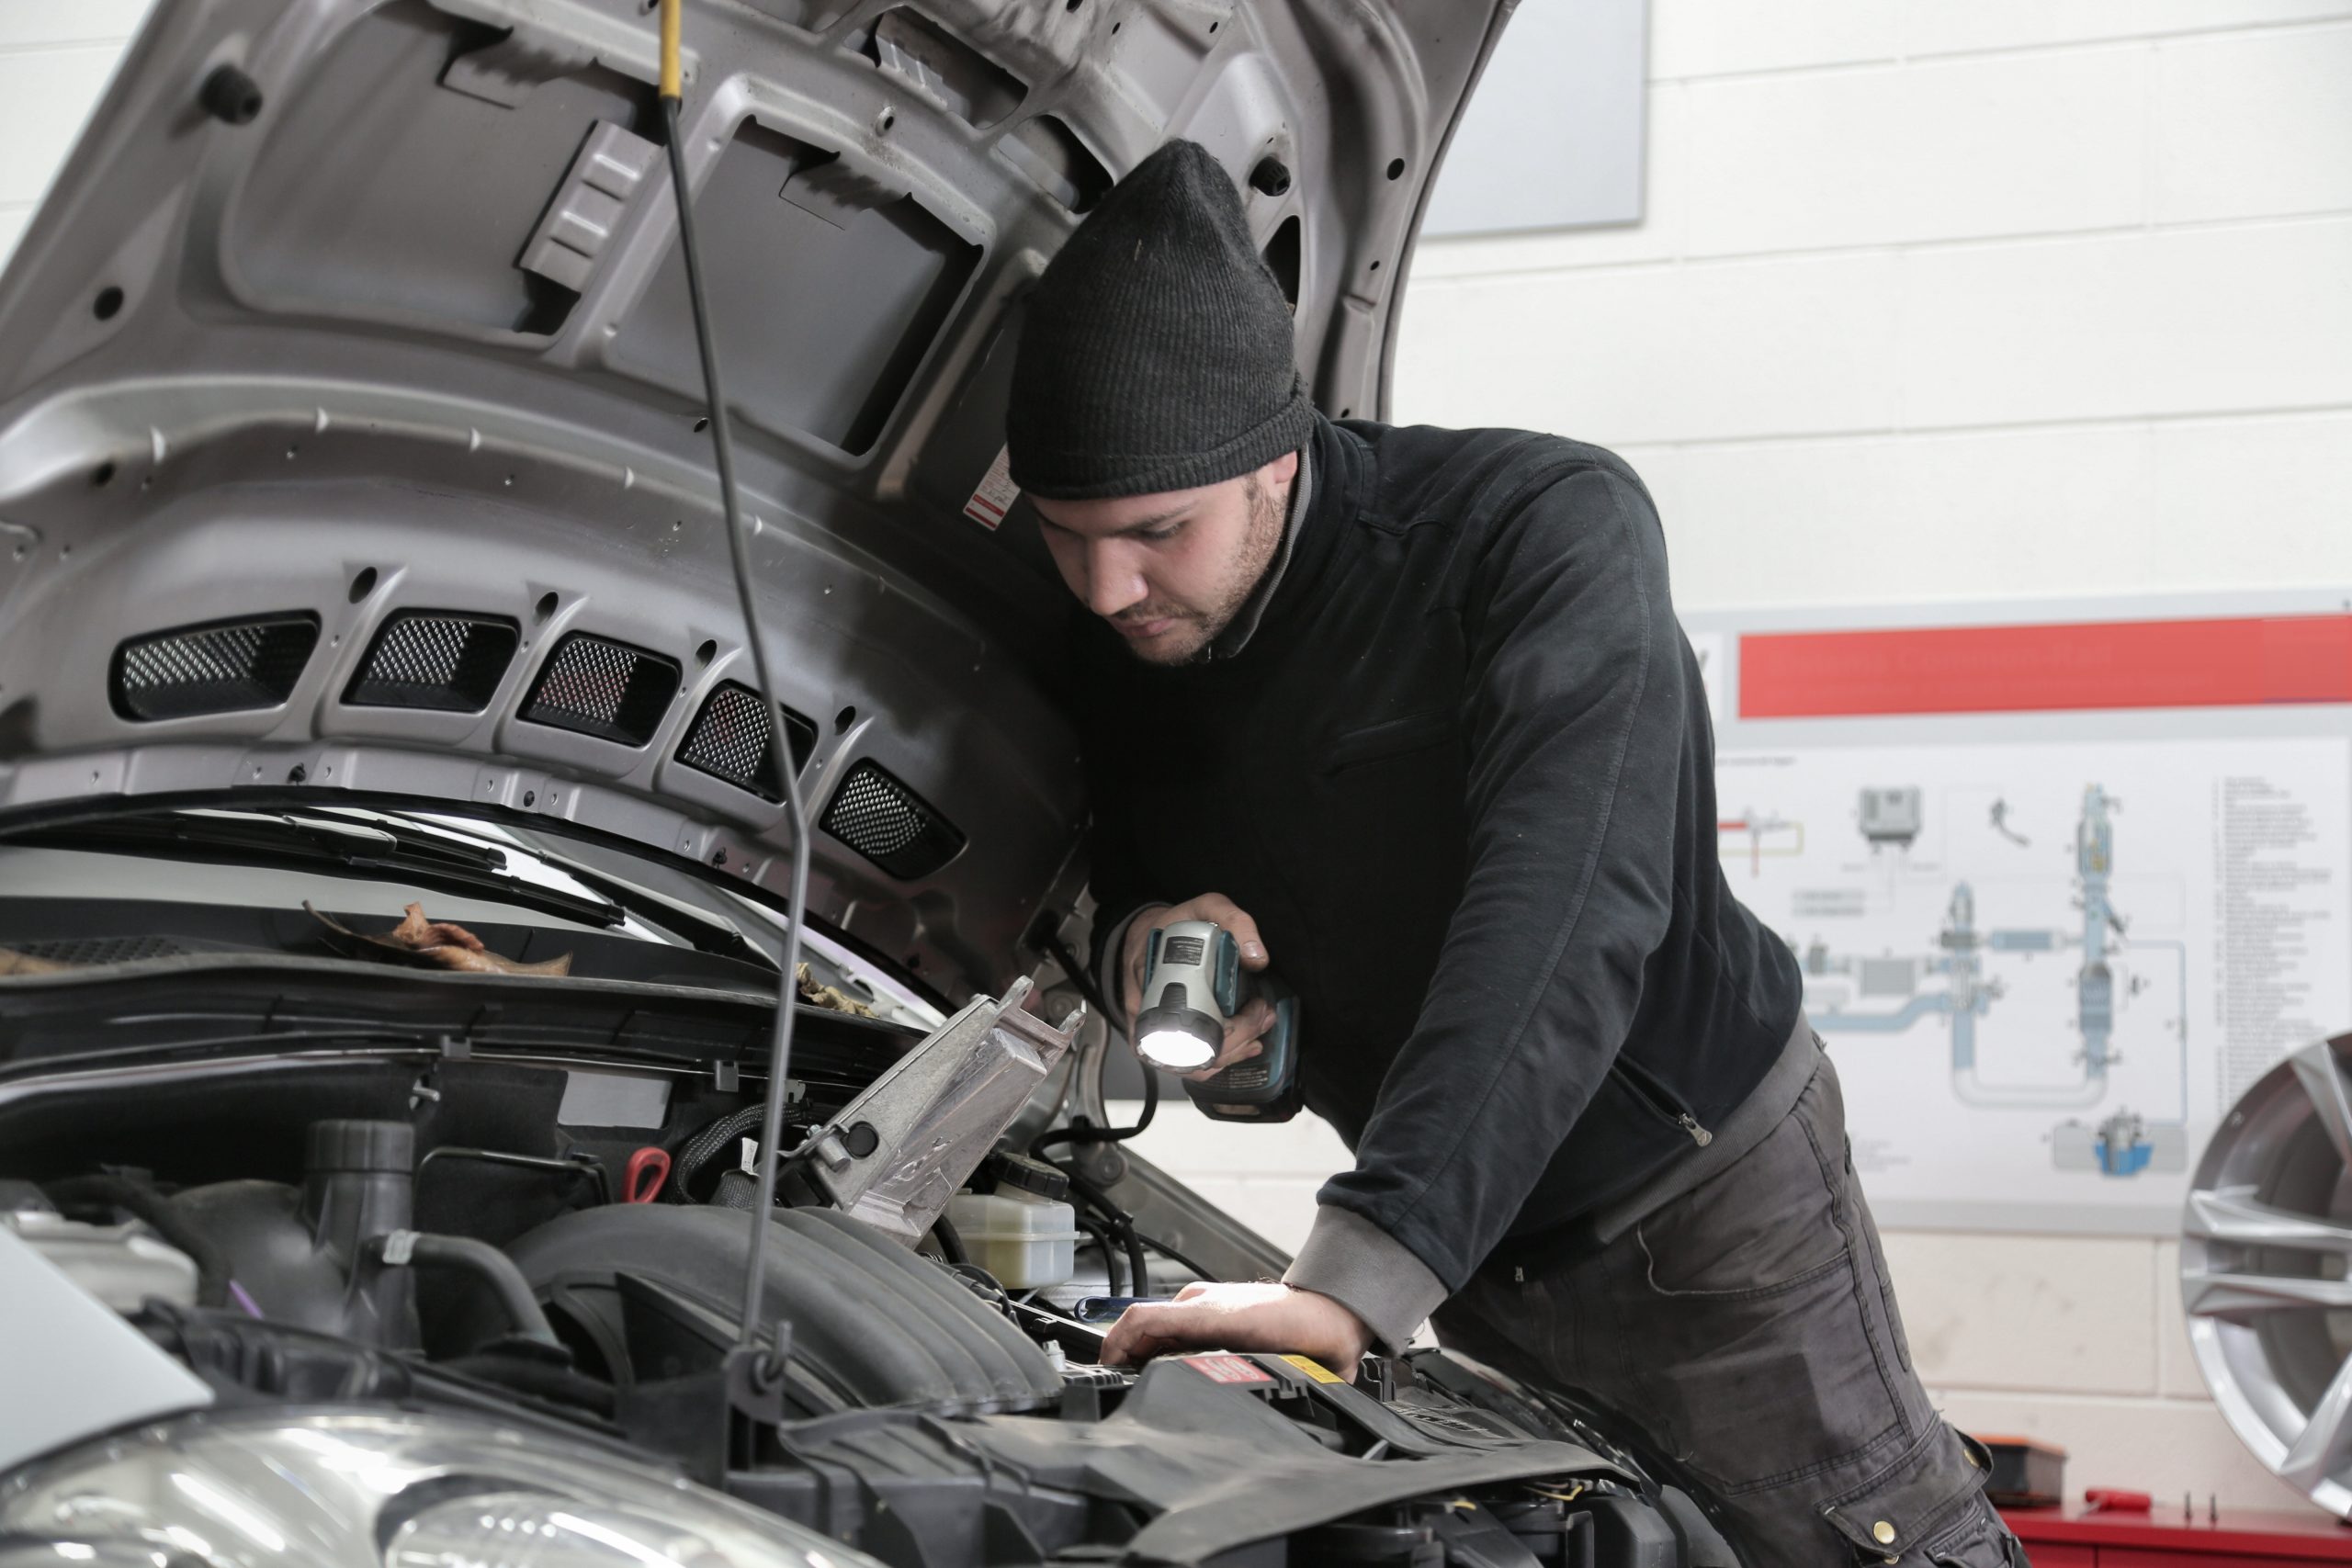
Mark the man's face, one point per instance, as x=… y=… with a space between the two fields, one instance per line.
x=1170 y=571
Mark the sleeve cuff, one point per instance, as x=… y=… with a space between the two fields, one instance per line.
x=1370 y=1272
x=1106 y=967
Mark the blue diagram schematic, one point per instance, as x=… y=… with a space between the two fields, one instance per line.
x=1960 y=982
x=2044 y=968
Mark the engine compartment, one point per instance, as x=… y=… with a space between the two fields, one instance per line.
x=448 y=1229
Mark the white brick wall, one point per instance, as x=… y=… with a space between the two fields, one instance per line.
x=1935 y=298
x=54 y=62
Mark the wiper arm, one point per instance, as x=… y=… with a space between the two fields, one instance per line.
x=705 y=933
x=423 y=858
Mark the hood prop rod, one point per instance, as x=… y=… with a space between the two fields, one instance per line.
x=787 y=774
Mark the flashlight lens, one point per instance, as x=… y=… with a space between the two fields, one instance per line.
x=1176 y=1051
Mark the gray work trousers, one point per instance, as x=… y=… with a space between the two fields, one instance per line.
x=1747 y=1330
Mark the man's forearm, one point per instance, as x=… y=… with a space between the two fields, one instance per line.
x=1370 y=1272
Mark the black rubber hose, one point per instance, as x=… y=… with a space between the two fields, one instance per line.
x=951 y=1243
x=1141 y=1266
x=1116 y=1221
x=705 y=1146
x=481 y=1260
x=141 y=1202
x=1101 y=1239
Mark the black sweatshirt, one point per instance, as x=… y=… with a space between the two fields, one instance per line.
x=1462 y=776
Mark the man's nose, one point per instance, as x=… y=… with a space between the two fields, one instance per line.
x=1113 y=582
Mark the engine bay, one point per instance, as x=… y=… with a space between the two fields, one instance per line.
x=478 y=1229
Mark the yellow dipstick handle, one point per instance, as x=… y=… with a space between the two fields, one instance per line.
x=673 y=76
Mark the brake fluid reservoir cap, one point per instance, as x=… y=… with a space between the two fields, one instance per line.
x=1033 y=1176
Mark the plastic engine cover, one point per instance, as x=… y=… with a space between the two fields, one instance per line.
x=872 y=1323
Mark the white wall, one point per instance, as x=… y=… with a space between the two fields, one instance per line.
x=1935 y=298
x=1960 y=298
x=54 y=61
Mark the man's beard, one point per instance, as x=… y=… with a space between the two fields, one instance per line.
x=1187 y=641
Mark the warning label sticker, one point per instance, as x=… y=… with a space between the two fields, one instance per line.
x=995 y=493
x=1228 y=1369
x=1314 y=1369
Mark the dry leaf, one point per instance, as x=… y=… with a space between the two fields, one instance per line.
x=14 y=963
x=831 y=996
x=436 y=944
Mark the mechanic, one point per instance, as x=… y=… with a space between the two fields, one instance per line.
x=1408 y=712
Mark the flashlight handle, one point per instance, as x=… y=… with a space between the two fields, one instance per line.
x=1194 y=953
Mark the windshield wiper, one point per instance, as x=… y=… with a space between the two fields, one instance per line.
x=705 y=933
x=426 y=859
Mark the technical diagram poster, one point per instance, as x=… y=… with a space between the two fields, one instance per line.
x=2047 y=945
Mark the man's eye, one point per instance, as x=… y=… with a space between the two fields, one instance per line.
x=1160 y=536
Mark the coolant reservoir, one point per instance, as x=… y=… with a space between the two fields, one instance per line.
x=1025 y=1239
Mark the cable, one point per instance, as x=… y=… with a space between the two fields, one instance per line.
x=1058 y=950
x=1100 y=1237
x=1079 y=1130
x=585 y=1166
x=1124 y=1227
x=1116 y=1223
x=787 y=775
x=1174 y=1256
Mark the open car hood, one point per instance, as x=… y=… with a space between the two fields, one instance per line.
x=350 y=423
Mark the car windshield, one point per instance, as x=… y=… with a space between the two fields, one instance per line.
x=408 y=888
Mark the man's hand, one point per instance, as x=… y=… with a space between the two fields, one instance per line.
x=1240 y=1317
x=1243 y=1030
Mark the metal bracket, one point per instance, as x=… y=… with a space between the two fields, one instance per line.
x=898 y=1152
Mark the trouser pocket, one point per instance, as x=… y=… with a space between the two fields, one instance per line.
x=1926 y=1507
x=1744 y=1302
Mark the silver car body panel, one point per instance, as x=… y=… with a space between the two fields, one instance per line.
x=415 y=338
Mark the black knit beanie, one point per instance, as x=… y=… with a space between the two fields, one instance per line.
x=1156 y=354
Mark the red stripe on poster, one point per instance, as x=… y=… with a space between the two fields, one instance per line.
x=2243 y=662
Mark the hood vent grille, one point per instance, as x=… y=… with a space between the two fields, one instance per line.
x=218 y=666
x=731 y=738
x=594 y=686
x=890 y=824
x=435 y=658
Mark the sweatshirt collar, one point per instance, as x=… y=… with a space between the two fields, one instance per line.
x=1244 y=625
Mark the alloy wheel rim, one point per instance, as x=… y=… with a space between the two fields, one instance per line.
x=2266 y=1266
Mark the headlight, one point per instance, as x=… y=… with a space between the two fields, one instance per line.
x=386 y=1491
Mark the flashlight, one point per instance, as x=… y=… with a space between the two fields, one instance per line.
x=1193 y=983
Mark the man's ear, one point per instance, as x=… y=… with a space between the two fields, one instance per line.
x=1281 y=471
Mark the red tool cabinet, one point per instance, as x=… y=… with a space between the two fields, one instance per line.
x=2074 y=1537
